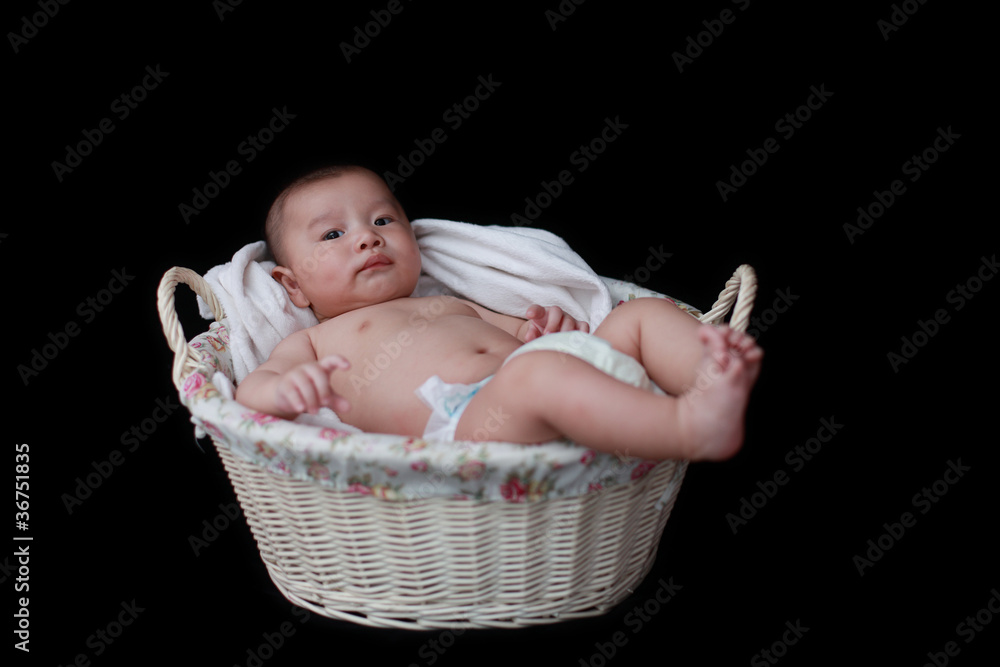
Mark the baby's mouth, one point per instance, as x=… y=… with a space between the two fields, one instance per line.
x=376 y=261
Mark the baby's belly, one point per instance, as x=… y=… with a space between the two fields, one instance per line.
x=392 y=362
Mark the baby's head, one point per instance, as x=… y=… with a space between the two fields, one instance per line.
x=341 y=242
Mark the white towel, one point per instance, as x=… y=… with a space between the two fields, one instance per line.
x=259 y=312
x=505 y=269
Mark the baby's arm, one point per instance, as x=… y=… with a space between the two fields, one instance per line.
x=539 y=322
x=293 y=380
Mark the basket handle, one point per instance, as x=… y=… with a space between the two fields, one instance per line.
x=185 y=356
x=741 y=289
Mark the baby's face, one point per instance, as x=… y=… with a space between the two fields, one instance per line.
x=347 y=244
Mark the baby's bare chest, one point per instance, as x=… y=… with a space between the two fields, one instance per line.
x=403 y=342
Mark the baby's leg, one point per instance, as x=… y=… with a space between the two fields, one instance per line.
x=667 y=342
x=543 y=395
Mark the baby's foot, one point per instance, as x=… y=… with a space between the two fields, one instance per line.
x=711 y=413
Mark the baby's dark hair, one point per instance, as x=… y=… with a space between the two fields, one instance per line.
x=274 y=222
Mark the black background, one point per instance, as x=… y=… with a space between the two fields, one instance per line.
x=655 y=187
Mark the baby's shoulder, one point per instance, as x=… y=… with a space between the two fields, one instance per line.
x=300 y=340
x=293 y=349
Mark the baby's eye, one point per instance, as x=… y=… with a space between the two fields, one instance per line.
x=383 y=221
x=332 y=234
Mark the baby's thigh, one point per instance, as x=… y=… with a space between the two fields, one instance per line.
x=506 y=408
x=660 y=318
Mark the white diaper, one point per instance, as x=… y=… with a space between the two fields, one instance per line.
x=447 y=402
x=594 y=350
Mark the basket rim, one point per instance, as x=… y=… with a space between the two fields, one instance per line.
x=339 y=460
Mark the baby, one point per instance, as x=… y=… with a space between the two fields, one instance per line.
x=344 y=248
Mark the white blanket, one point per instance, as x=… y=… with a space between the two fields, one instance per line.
x=259 y=313
x=505 y=269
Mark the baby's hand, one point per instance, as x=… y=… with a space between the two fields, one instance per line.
x=306 y=387
x=549 y=320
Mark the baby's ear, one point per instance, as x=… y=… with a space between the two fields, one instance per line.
x=285 y=276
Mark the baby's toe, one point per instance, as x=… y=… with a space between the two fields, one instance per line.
x=714 y=339
x=738 y=340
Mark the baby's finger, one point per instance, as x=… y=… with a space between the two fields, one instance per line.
x=289 y=399
x=334 y=362
x=535 y=314
x=318 y=383
x=319 y=375
x=309 y=391
x=569 y=324
x=554 y=319
x=339 y=404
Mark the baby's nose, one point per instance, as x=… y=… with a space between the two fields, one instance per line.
x=369 y=240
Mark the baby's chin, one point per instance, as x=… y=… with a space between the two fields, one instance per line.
x=333 y=310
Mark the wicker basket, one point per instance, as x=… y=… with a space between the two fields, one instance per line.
x=444 y=562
